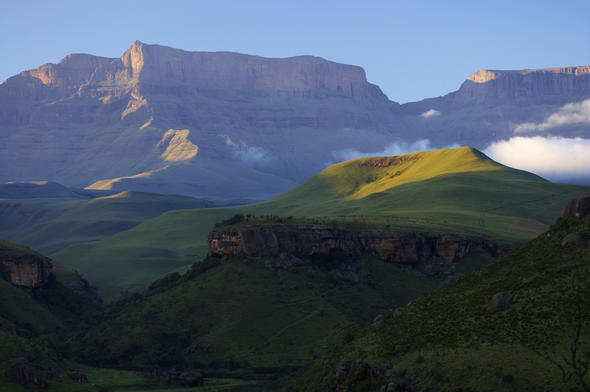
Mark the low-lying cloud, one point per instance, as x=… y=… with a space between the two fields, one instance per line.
x=430 y=113
x=551 y=157
x=572 y=113
x=396 y=148
x=251 y=154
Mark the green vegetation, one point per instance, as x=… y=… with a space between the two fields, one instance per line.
x=453 y=339
x=49 y=224
x=454 y=190
x=254 y=312
x=98 y=378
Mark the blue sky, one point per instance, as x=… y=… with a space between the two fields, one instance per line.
x=411 y=49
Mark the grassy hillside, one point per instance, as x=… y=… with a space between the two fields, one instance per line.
x=451 y=340
x=49 y=224
x=39 y=189
x=453 y=190
x=248 y=314
x=38 y=324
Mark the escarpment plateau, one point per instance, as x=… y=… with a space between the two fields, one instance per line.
x=262 y=125
x=312 y=240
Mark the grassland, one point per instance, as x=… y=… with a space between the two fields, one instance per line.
x=453 y=190
x=98 y=378
x=49 y=224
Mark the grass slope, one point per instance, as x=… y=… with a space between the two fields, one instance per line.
x=455 y=344
x=454 y=190
x=241 y=313
x=49 y=224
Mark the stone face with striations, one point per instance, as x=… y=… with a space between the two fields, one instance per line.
x=22 y=266
x=310 y=240
x=486 y=85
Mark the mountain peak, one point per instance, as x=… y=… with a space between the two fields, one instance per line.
x=486 y=75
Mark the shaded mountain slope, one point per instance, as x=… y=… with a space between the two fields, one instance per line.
x=458 y=191
x=145 y=114
x=50 y=224
x=39 y=189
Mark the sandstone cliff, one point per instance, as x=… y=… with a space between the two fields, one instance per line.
x=310 y=240
x=22 y=266
x=485 y=85
x=246 y=118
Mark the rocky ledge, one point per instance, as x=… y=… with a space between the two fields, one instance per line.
x=22 y=266
x=309 y=240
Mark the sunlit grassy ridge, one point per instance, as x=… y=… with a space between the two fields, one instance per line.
x=359 y=178
x=451 y=190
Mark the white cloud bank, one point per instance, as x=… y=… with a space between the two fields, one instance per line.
x=250 y=155
x=430 y=113
x=551 y=157
x=572 y=113
x=396 y=148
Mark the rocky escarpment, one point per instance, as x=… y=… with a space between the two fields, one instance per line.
x=486 y=85
x=168 y=118
x=311 y=240
x=95 y=76
x=577 y=207
x=22 y=266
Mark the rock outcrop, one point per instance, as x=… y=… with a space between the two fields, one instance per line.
x=577 y=207
x=22 y=266
x=312 y=240
x=486 y=85
x=20 y=371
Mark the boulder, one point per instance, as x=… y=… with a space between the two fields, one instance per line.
x=21 y=372
x=190 y=379
x=78 y=376
x=390 y=387
x=577 y=207
x=498 y=301
x=571 y=239
x=379 y=321
x=52 y=375
x=432 y=270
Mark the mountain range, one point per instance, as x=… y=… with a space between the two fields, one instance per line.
x=233 y=128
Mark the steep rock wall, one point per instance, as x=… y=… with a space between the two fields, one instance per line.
x=26 y=271
x=310 y=240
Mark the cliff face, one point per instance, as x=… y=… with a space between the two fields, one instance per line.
x=29 y=272
x=87 y=75
x=248 y=118
x=22 y=266
x=310 y=240
x=486 y=85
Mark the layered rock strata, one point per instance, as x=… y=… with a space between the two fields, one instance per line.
x=311 y=240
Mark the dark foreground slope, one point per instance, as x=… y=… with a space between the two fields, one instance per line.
x=458 y=191
x=520 y=323
x=39 y=316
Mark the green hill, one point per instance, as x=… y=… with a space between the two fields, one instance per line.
x=247 y=312
x=49 y=224
x=456 y=340
x=450 y=190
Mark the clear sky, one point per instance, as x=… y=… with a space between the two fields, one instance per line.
x=411 y=49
